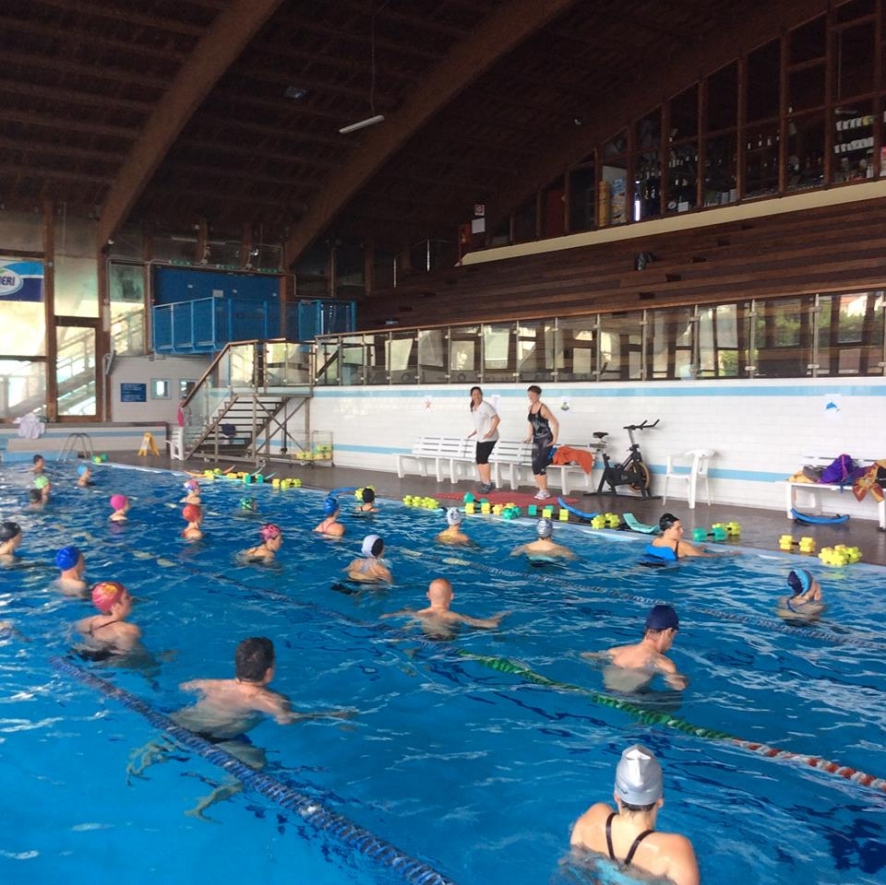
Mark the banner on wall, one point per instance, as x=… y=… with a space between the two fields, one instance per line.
x=21 y=280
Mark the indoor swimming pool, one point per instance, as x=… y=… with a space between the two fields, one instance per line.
x=463 y=761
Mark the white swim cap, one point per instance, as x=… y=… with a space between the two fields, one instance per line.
x=369 y=545
x=453 y=516
x=545 y=528
x=638 y=778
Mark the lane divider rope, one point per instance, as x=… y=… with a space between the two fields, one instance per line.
x=309 y=809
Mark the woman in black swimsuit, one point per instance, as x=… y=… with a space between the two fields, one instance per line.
x=628 y=835
x=543 y=430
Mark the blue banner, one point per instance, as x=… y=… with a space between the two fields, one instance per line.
x=21 y=280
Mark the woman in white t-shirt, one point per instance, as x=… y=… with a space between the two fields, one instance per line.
x=486 y=422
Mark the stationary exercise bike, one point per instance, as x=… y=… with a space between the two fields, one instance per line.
x=631 y=472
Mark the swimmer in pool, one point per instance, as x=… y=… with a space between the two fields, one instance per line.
x=39 y=465
x=272 y=541
x=453 y=534
x=193 y=513
x=438 y=621
x=369 y=568
x=35 y=499
x=73 y=565
x=120 y=506
x=247 y=507
x=44 y=487
x=805 y=603
x=628 y=835
x=84 y=476
x=367 y=501
x=330 y=526
x=632 y=667
x=10 y=540
x=192 y=492
x=672 y=537
x=544 y=548
x=108 y=634
x=228 y=709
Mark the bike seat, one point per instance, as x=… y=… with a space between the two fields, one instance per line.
x=600 y=435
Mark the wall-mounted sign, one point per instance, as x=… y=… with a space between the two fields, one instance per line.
x=133 y=393
x=21 y=280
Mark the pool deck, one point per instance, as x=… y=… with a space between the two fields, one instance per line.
x=759 y=528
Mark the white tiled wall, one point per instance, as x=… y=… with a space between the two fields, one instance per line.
x=760 y=430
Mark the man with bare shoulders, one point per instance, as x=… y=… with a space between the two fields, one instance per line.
x=632 y=667
x=545 y=548
x=227 y=710
x=438 y=620
x=628 y=835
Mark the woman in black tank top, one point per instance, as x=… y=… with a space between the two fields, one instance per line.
x=543 y=429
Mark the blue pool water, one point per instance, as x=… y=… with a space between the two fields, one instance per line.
x=462 y=762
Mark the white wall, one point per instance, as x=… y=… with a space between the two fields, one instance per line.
x=143 y=370
x=760 y=430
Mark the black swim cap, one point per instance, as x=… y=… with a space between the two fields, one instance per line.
x=9 y=530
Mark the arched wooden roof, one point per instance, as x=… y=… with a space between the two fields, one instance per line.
x=168 y=111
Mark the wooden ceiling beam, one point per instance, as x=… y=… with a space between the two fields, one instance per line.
x=71 y=96
x=253 y=151
x=62 y=66
x=421 y=22
x=229 y=35
x=208 y=172
x=737 y=33
x=273 y=200
x=499 y=33
x=79 y=37
x=232 y=127
x=94 y=9
x=52 y=121
x=47 y=173
x=62 y=150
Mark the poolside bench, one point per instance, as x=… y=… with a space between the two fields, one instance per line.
x=514 y=459
x=796 y=499
x=439 y=452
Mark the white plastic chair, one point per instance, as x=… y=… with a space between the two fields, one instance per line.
x=698 y=460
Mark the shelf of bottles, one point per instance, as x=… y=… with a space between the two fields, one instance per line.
x=720 y=186
x=647 y=186
x=761 y=160
x=682 y=177
x=854 y=142
x=806 y=149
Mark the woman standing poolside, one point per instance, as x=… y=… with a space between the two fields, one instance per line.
x=543 y=430
x=486 y=421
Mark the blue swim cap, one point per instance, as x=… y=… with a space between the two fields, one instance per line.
x=330 y=506
x=67 y=557
x=82 y=469
x=662 y=617
x=799 y=580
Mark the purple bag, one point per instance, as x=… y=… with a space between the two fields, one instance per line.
x=839 y=472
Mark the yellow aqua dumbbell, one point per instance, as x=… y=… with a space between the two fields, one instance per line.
x=807 y=545
x=786 y=542
x=547 y=512
x=733 y=528
x=598 y=522
x=470 y=508
x=497 y=509
x=564 y=515
x=486 y=508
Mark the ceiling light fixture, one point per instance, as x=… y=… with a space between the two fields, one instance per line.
x=374 y=118
x=369 y=121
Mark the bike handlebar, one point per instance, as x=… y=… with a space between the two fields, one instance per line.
x=644 y=426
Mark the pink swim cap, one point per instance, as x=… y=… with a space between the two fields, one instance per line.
x=269 y=531
x=106 y=594
x=192 y=485
x=118 y=502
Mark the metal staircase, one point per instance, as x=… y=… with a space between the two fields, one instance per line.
x=252 y=404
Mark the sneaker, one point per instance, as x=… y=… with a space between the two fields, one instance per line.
x=542 y=495
x=485 y=489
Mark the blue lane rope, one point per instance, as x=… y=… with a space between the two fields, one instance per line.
x=309 y=809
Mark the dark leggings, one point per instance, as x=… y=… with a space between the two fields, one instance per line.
x=541 y=452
